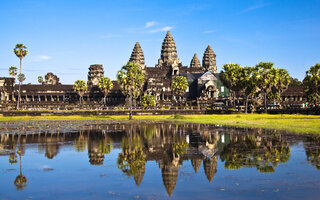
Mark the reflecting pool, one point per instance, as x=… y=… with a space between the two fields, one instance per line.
x=153 y=160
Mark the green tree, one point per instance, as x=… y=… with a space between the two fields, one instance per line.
x=105 y=84
x=21 y=78
x=80 y=86
x=21 y=180
x=40 y=79
x=295 y=82
x=148 y=101
x=233 y=77
x=250 y=83
x=21 y=52
x=131 y=80
x=13 y=71
x=311 y=84
x=282 y=81
x=266 y=79
x=179 y=86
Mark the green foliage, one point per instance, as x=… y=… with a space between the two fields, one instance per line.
x=295 y=82
x=180 y=148
x=131 y=79
x=180 y=85
x=233 y=76
x=40 y=79
x=105 y=84
x=80 y=86
x=13 y=71
x=148 y=101
x=21 y=78
x=311 y=83
x=20 y=51
x=177 y=116
x=13 y=159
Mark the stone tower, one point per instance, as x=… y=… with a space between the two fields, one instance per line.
x=169 y=55
x=137 y=56
x=195 y=62
x=209 y=60
x=95 y=73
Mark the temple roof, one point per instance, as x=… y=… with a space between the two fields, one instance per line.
x=168 y=51
x=137 y=56
x=209 y=60
x=195 y=62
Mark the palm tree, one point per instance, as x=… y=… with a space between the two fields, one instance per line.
x=13 y=71
x=80 y=87
x=131 y=80
x=266 y=79
x=233 y=78
x=250 y=83
x=40 y=79
x=282 y=81
x=179 y=85
x=105 y=84
x=21 y=180
x=148 y=101
x=311 y=83
x=21 y=52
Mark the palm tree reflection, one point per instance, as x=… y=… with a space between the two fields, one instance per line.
x=21 y=181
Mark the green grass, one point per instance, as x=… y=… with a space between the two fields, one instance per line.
x=291 y=123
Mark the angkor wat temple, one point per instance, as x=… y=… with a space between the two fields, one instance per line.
x=203 y=79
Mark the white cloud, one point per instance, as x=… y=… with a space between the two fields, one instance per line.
x=252 y=8
x=40 y=58
x=111 y=36
x=209 y=31
x=166 y=28
x=150 y=24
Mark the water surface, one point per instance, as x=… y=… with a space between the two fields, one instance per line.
x=152 y=160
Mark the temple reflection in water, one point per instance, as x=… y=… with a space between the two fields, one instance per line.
x=169 y=145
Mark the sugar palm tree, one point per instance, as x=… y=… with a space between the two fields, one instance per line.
x=80 y=86
x=13 y=71
x=250 y=83
x=21 y=52
x=40 y=79
x=311 y=84
x=266 y=79
x=233 y=78
x=282 y=81
x=21 y=180
x=131 y=80
x=179 y=85
x=105 y=84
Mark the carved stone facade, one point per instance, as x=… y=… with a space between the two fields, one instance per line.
x=169 y=56
x=51 y=79
x=209 y=60
x=195 y=62
x=95 y=73
x=137 y=56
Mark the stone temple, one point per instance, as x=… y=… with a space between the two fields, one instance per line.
x=203 y=80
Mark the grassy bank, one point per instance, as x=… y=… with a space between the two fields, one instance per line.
x=292 y=123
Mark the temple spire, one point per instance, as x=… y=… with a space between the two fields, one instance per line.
x=195 y=62
x=209 y=60
x=169 y=56
x=137 y=56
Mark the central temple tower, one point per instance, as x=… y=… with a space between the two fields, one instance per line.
x=169 y=55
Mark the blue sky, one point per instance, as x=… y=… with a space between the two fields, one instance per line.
x=65 y=37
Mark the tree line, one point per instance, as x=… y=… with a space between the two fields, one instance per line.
x=244 y=82
x=266 y=81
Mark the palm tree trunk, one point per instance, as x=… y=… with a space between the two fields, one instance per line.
x=104 y=100
x=20 y=165
x=238 y=103
x=19 y=87
x=247 y=101
x=130 y=105
x=265 y=102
